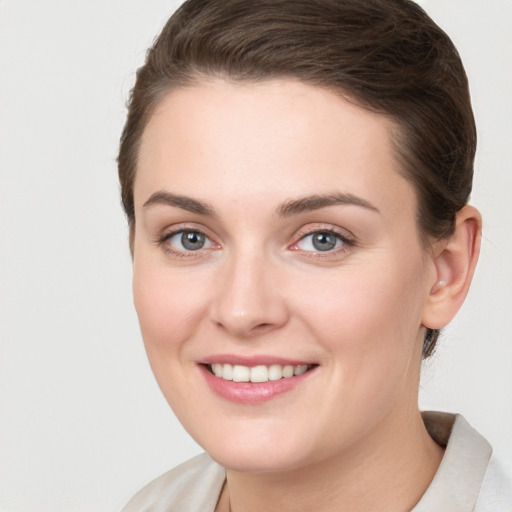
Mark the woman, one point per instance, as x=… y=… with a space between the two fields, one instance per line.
x=296 y=178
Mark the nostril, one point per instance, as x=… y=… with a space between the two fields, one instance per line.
x=246 y=329
x=262 y=326
x=247 y=312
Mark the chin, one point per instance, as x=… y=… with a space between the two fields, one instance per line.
x=268 y=454
x=255 y=461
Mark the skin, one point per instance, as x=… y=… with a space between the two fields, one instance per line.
x=350 y=436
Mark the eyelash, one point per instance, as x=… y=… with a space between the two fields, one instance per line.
x=164 y=238
x=346 y=242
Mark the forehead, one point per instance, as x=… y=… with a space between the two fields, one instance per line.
x=279 y=137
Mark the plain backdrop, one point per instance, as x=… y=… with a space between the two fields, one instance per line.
x=82 y=422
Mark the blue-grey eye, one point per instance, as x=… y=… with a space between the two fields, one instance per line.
x=189 y=241
x=320 y=241
x=192 y=240
x=324 y=241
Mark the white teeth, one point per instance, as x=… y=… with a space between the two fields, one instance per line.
x=217 y=369
x=241 y=373
x=275 y=372
x=288 y=371
x=260 y=373
x=227 y=372
x=300 y=369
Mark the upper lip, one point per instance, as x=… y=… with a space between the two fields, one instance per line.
x=254 y=360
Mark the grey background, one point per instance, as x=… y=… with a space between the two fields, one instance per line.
x=82 y=422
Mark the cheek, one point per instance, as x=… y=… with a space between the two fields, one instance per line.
x=368 y=322
x=169 y=308
x=366 y=311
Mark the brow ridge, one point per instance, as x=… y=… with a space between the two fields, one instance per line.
x=317 y=201
x=179 y=201
x=288 y=208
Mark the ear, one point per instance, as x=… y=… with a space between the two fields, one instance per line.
x=455 y=260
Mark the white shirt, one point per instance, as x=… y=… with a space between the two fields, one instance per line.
x=469 y=478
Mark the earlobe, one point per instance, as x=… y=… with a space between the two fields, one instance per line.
x=455 y=260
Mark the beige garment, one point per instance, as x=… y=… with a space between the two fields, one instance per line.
x=468 y=479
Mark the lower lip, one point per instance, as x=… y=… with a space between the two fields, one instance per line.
x=252 y=392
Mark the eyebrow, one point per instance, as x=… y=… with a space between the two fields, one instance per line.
x=315 y=202
x=183 y=202
x=287 y=209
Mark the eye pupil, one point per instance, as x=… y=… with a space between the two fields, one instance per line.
x=192 y=240
x=324 y=241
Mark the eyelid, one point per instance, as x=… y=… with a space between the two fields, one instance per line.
x=179 y=234
x=348 y=239
x=172 y=231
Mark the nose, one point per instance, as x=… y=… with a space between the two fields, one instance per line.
x=248 y=300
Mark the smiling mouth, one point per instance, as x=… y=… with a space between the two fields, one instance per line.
x=257 y=374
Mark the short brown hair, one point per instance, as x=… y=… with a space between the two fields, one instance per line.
x=387 y=55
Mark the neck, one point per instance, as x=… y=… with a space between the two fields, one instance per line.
x=389 y=472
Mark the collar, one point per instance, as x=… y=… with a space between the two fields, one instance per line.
x=458 y=480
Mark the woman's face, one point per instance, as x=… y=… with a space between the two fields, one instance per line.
x=275 y=234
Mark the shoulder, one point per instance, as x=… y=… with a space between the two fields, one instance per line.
x=470 y=478
x=496 y=492
x=192 y=486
